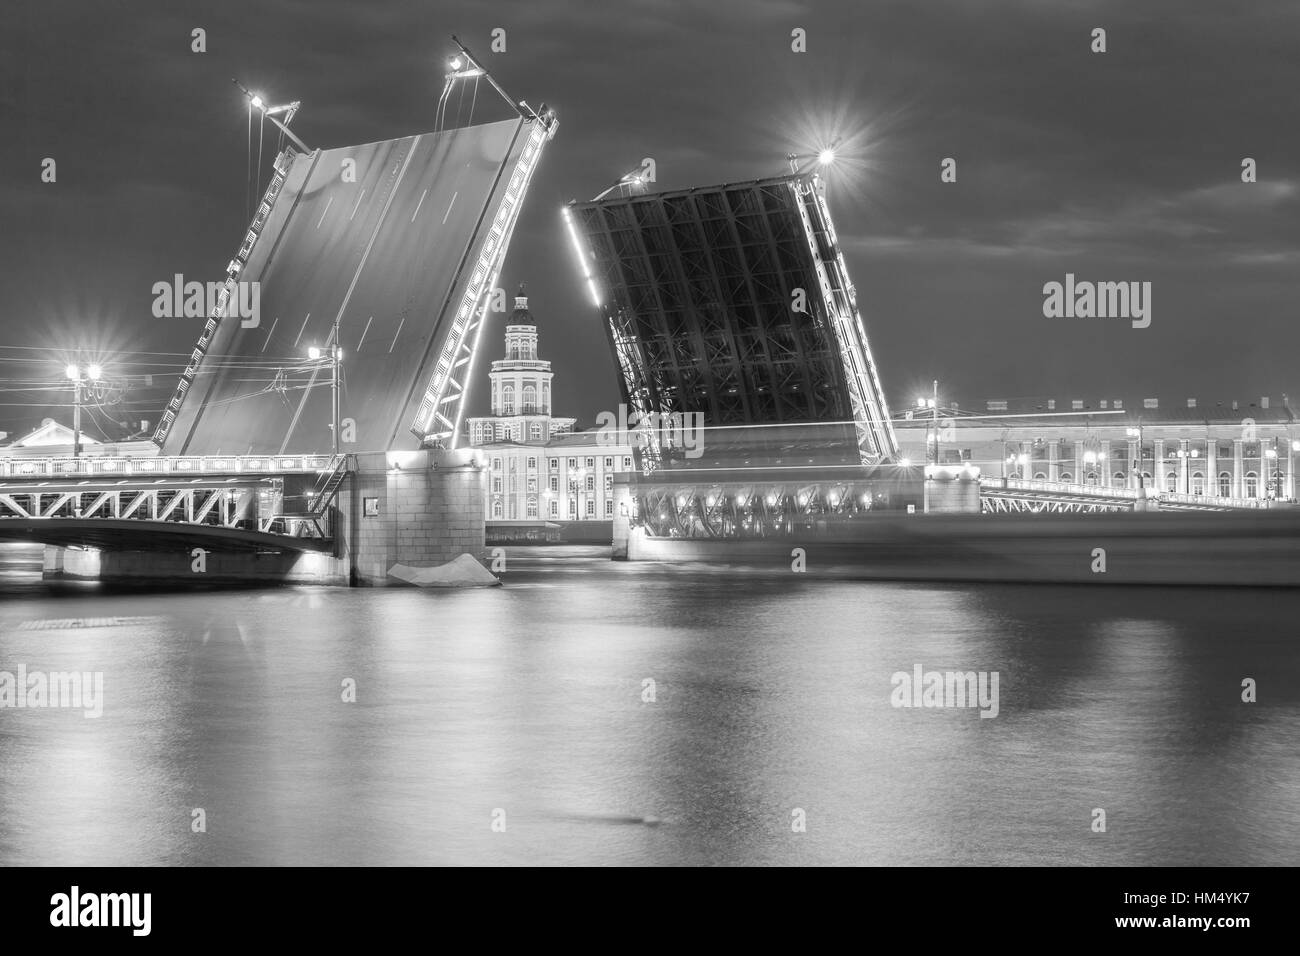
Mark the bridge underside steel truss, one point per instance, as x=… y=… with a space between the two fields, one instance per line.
x=758 y=509
x=251 y=505
x=734 y=302
x=235 y=493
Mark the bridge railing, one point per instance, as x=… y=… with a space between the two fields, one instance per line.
x=1058 y=487
x=1175 y=497
x=105 y=467
x=1069 y=489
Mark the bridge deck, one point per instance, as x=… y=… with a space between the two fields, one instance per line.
x=387 y=255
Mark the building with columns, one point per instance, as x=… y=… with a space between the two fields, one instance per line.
x=1227 y=448
x=541 y=474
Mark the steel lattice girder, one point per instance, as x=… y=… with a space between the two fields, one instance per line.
x=226 y=504
x=697 y=289
x=747 y=510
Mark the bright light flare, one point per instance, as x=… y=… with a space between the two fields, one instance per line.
x=257 y=102
x=94 y=372
x=826 y=157
x=582 y=258
x=73 y=372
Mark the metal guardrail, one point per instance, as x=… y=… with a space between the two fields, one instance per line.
x=106 y=467
x=1072 y=490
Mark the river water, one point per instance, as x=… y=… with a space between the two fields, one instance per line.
x=515 y=725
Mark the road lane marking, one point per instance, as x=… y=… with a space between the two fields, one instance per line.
x=358 y=205
x=328 y=202
x=418 y=205
x=356 y=276
x=269 y=334
x=449 y=205
x=300 y=331
x=399 y=332
x=364 y=331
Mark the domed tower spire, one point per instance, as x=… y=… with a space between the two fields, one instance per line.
x=521 y=382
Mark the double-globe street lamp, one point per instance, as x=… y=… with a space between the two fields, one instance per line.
x=80 y=378
x=335 y=358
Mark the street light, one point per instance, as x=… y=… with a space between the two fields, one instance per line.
x=1137 y=433
x=74 y=373
x=335 y=358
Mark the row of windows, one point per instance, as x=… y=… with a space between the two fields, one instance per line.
x=498 y=510
x=573 y=463
x=554 y=484
x=1250 y=483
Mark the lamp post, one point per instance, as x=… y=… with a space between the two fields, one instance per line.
x=74 y=372
x=335 y=358
x=1137 y=433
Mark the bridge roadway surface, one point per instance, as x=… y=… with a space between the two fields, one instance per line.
x=382 y=254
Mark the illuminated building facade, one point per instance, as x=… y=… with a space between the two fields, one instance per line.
x=538 y=469
x=1227 y=449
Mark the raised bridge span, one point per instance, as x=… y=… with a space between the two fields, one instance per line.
x=388 y=252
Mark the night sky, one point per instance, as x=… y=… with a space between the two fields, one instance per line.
x=1117 y=166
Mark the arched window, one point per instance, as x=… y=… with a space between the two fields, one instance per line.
x=508 y=400
x=532 y=507
x=1198 y=483
x=1225 y=484
x=1092 y=478
x=1039 y=476
x=532 y=464
x=1252 y=485
x=530 y=400
x=1066 y=476
x=546 y=398
x=496 y=509
x=1119 y=479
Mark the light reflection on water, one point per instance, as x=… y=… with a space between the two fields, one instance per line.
x=772 y=693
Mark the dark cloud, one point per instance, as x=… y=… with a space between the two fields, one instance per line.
x=1116 y=166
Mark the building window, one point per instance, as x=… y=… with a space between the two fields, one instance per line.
x=532 y=464
x=591 y=482
x=1066 y=476
x=573 y=463
x=1252 y=485
x=555 y=464
x=532 y=507
x=1198 y=483
x=496 y=485
x=496 y=464
x=530 y=400
x=627 y=461
x=609 y=509
x=1039 y=476
x=1171 y=481
x=496 y=509
x=609 y=462
x=591 y=509
x=591 y=463
x=555 y=482
x=555 y=509
x=609 y=482
x=508 y=400
x=535 y=431
x=1092 y=478
x=1119 y=479
x=1225 y=485
x=532 y=486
